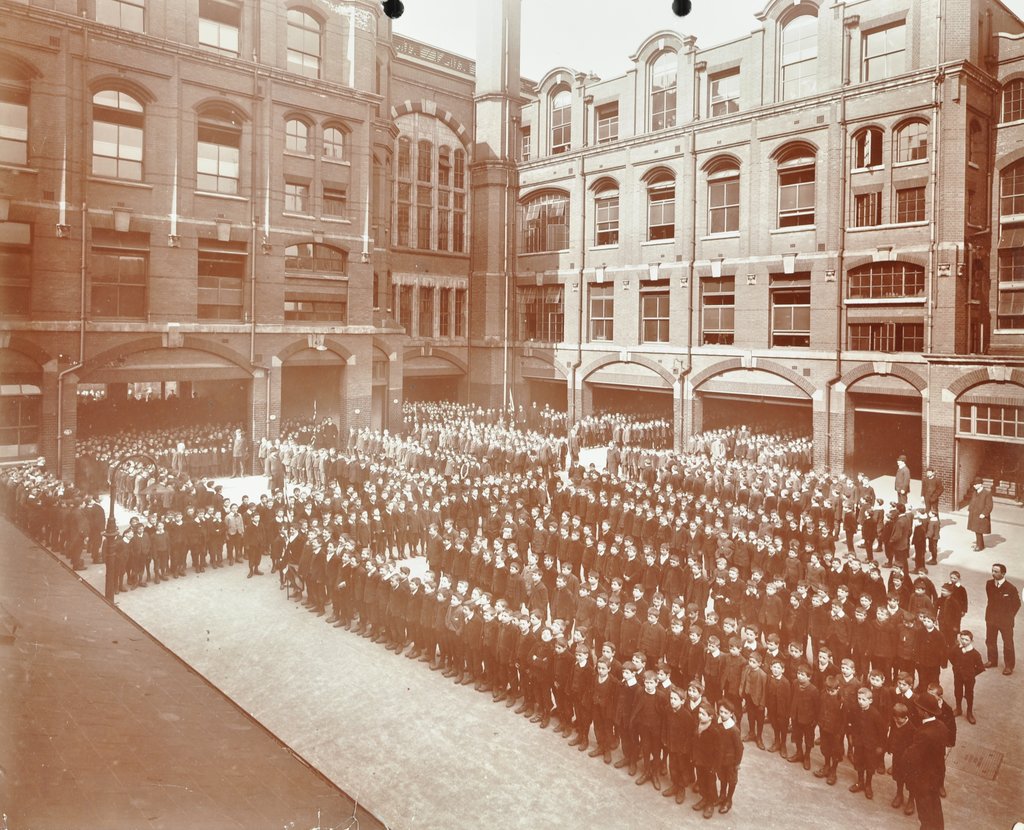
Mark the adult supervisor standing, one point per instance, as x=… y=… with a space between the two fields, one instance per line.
x=979 y=513
x=239 y=452
x=925 y=760
x=1003 y=605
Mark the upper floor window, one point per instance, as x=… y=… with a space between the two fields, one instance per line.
x=315 y=258
x=608 y=123
x=885 y=280
x=13 y=120
x=561 y=121
x=885 y=52
x=334 y=143
x=296 y=197
x=975 y=143
x=796 y=187
x=544 y=221
x=799 y=56
x=724 y=93
x=789 y=297
x=444 y=167
x=218 y=157
x=602 y=311
x=655 y=315
x=661 y=206
x=219 y=24
x=1013 y=100
x=221 y=276
x=404 y=158
x=910 y=204
x=867 y=148
x=663 y=91
x=118 y=272
x=304 y=43
x=296 y=136
x=541 y=313
x=424 y=159
x=911 y=142
x=15 y=269
x=524 y=143
x=117 y=134
x=125 y=14
x=460 y=169
x=606 y=214
x=718 y=311
x=724 y=198
x=1011 y=190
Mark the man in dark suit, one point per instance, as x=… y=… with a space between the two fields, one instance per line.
x=925 y=761
x=979 y=513
x=902 y=482
x=1003 y=605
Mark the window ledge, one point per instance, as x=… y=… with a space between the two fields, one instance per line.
x=874 y=168
x=1010 y=123
x=910 y=163
x=121 y=182
x=294 y=155
x=1011 y=285
x=228 y=196
x=609 y=247
x=297 y=215
x=341 y=162
x=724 y=235
x=668 y=241
x=17 y=168
x=525 y=253
x=888 y=226
x=1018 y=332
x=337 y=220
x=302 y=275
x=794 y=229
x=974 y=164
x=886 y=301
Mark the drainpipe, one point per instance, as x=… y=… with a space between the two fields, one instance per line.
x=574 y=367
x=691 y=269
x=837 y=372
x=81 y=351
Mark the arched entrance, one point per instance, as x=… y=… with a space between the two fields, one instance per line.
x=430 y=375
x=312 y=380
x=886 y=423
x=631 y=388
x=757 y=398
x=544 y=384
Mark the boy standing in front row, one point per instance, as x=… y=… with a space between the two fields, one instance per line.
x=967 y=665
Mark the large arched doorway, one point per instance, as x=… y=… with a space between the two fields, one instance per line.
x=432 y=377
x=544 y=385
x=887 y=424
x=629 y=388
x=312 y=381
x=755 y=398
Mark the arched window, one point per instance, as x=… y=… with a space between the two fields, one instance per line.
x=296 y=136
x=334 y=143
x=14 y=94
x=1013 y=100
x=796 y=187
x=117 y=135
x=544 y=221
x=799 y=56
x=911 y=142
x=444 y=197
x=663 y=91
x=606 y=214
x=561 y=121
x=315 y=258
x=867 y=148
x=218 y=154
x=724 y=197
x=661 y=206
x=1011 y=190
x=304 y=43
x=404 y=158
x=885 y=280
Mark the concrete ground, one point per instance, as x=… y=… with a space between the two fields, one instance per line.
x=101 y=727
x=422 y=753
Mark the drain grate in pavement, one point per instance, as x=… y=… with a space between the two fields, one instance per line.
x=976 y=760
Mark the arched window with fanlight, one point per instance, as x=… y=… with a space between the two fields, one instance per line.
x=296 y=136
x=1013 y=101
x=799 y=56
x=796 y=169
x=911 y=142
x=459 y=196
x=117 y=135
x=305 y=43
x=661 y=205
x=334 y=143
x=606 y=213
x=561 y=120
x=663 y=91
x=315 y=258
x=867 y=148
x=724 y=197
x=219 y=149
x=544 y=223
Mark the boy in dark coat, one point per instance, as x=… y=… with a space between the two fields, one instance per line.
x=730 y=754
x=967 y=665
x=679 y=727
x=867 y=730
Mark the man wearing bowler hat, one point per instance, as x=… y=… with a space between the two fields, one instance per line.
x=925 y=761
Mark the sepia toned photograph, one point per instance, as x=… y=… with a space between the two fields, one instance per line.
x=624 y=401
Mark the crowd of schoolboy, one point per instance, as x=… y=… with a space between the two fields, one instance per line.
x=661 y=658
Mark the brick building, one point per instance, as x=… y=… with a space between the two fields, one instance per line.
x=288 y=208
x=813 y=226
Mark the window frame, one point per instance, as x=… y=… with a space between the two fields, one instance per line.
x=792 y=165
x=122 y=247
x=661 y=200
x=125 y=120
x=723 y=104
x=560 y=133
x=896 y=280
x=910 y=204
x=228 y=257
x=14 y=98
x=296 y=141
x=1012 y=175
x=867 y=149
x=606 y=216
x=541 y=313
x=296 y=197
x=16 y=248
x=298 y=61
x=867 y=209
x=724 y=177
x=220 y=25
x=606 y=123
x=214 y=125
x=537 y=230
x=892 y=336
x=718 y=295
x=601 y=308
x=797 y=293
x=655 y=328
x=887 y=55
x=797 y=58
x=302 y=258
x=119 y=8
x=663 y=100
x=904 y=150
x=1012 y=103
